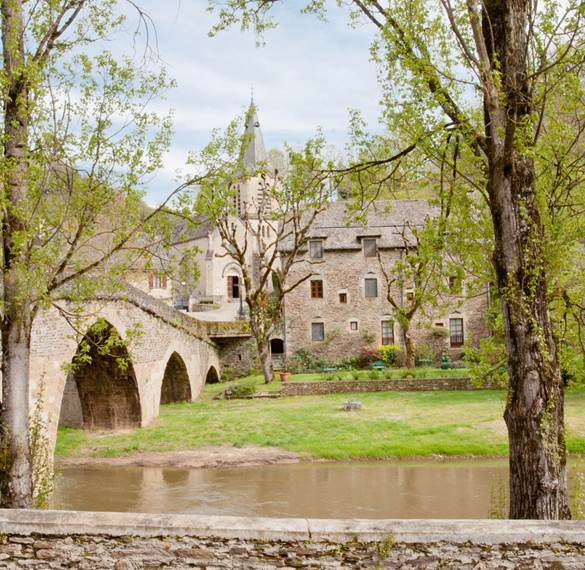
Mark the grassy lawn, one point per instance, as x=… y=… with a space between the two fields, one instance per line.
x=391 y=424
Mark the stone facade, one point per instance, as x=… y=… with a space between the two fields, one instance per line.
x=350 y=303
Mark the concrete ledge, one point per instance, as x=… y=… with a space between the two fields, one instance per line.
x=63 y=523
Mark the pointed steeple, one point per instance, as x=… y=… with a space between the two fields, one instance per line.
x=253 y=150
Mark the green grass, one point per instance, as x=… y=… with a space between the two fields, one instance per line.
x=391 y=424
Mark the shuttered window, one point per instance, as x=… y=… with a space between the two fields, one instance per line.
x=316 y=249
x=370 y=247
x=317 y=332
x=371 y=287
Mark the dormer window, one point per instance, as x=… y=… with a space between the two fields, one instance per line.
x=370 y=247
x=316 y=249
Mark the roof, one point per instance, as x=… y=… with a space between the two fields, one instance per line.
x=386 y=220
x=253 y=150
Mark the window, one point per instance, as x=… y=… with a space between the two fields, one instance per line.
x=370 y=248
x=343 y=298
x=353 y=325
x=456 y=331
x=410 y=296
x=371 y=287
x=316 y=289
x=387 y=332
x=157 y=281
x=454 y=285
x=316 y=249
x=317 y=332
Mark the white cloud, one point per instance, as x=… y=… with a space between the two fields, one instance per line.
x=307 y=75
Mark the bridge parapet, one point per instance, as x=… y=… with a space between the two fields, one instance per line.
x=228 y=329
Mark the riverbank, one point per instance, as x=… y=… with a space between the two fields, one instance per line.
x=389 y=425
x=204 y=458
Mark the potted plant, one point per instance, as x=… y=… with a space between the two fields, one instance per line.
x=284 y=373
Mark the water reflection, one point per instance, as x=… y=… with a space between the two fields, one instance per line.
x=422 y=489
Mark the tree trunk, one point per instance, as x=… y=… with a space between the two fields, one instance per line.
x=409 y=349
x=266 y=363
x=534 y=411
x=535 y=407
x=16 y=478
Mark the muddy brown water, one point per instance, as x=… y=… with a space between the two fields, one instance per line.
x=381 y=489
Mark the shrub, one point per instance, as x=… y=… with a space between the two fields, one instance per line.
x=241 y=390
x=424 y=351
x=355 y=375
x=391 y=354
x=306 y=361
x=367 y=356
x=349 y=363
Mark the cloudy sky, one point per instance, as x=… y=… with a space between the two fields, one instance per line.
x=308 y=74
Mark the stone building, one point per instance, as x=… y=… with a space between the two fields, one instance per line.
x=343 y=308
x=220 y=284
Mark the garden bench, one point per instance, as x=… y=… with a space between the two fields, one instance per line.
x=424 y=362
x=378 y=365
x=329 y=369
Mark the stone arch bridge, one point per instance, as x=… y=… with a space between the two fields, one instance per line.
x=168 y=357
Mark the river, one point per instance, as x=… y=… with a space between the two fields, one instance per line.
x=377 y=489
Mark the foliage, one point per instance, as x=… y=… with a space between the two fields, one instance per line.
x=487 y=363
x=43 y=475
x=425 y=351
x=79 y=145
x=241 y=390
x=391 y=354
x=306 y=361
x=367 y=356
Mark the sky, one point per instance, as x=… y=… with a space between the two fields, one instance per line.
x=307 y=74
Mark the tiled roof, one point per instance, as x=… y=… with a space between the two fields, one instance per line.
x=388 y=221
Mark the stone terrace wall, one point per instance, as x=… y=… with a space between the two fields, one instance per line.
x=399 y=385
x=52 y=539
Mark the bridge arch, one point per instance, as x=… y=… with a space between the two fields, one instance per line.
x=101 y=391
x=212 y=376
x=176 y=386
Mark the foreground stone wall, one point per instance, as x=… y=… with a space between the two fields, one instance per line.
x=53 y=539
x=399 y=385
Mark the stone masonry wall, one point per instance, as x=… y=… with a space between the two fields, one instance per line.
x=87 y=552
x=240 y=355
x=399 y=385
x=344 y=272
x=124 y=541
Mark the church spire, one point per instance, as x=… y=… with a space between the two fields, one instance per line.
x=253 y=150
